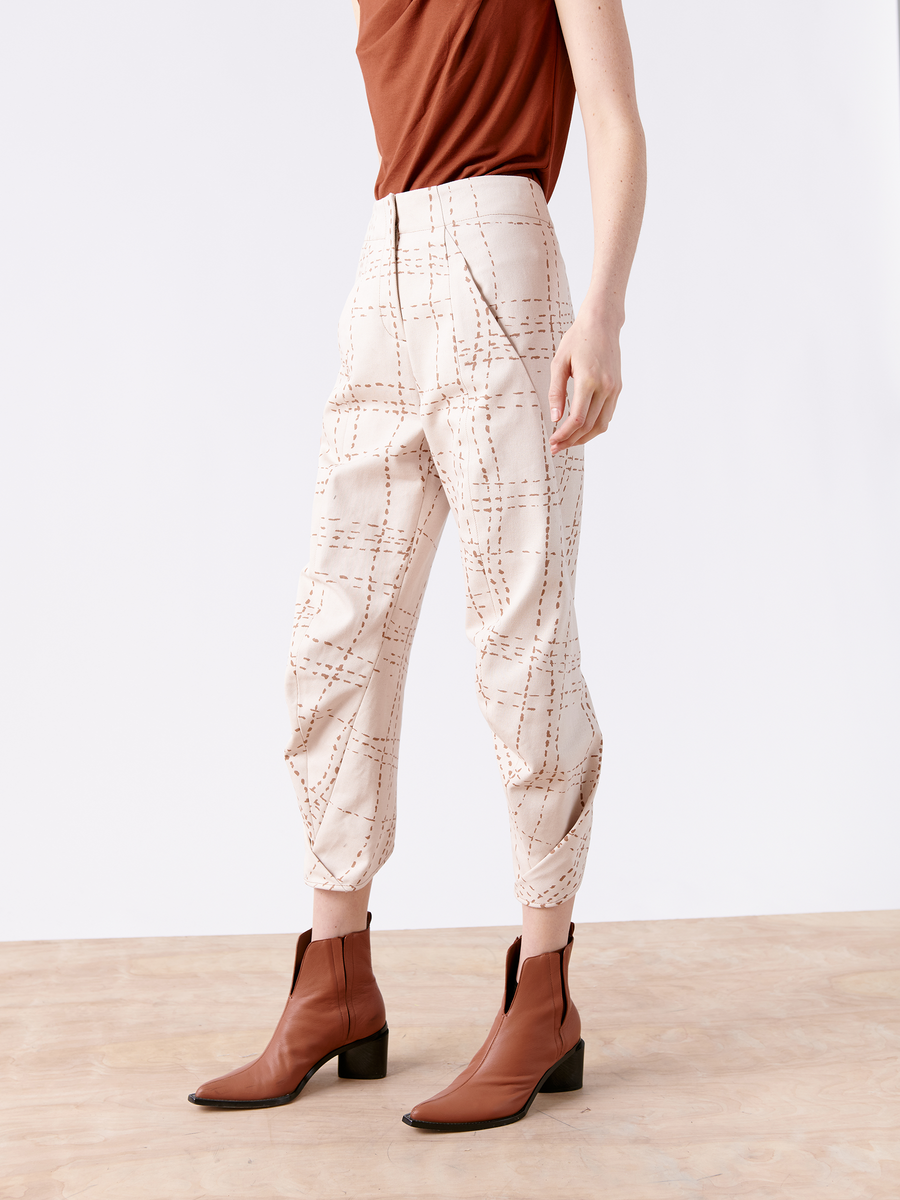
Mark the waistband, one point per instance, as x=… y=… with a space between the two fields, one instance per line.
x=455 y=201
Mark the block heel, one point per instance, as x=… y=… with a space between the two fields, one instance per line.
x=569 y=1075
x=365 y=1060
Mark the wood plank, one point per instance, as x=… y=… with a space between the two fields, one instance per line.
x=747 y=1057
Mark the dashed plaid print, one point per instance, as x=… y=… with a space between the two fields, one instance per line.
x=446 y=340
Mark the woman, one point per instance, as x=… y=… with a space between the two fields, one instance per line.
x=457 y=342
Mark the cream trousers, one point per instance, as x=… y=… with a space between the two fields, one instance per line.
x=446 y=339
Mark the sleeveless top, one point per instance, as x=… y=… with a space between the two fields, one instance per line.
x=465 y=87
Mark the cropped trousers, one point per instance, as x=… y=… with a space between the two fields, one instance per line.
x=441 y=404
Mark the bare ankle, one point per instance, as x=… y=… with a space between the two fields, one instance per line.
x=335 y=914
x=544 y=929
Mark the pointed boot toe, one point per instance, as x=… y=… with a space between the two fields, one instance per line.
x=428 y=1112
x=236 y=1088
x=213 y=1089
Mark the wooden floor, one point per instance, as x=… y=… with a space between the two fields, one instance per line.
x=752 y=1057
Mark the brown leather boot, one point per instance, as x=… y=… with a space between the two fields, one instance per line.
x=534 y=1046
x=334 y=1008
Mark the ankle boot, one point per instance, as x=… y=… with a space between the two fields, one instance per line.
x=334 y=1008
x=534 y=1046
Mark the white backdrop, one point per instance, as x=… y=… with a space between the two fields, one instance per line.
x=186 y=186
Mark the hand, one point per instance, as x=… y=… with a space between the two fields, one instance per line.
x=589 y=352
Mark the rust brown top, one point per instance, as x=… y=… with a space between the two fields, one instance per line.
x=465 y=87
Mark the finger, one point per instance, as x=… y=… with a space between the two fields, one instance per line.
x=584 y=432
x=596 y=424
x=578 y=411
x=560 y=370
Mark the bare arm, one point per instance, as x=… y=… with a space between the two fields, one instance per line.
x=600 y=53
